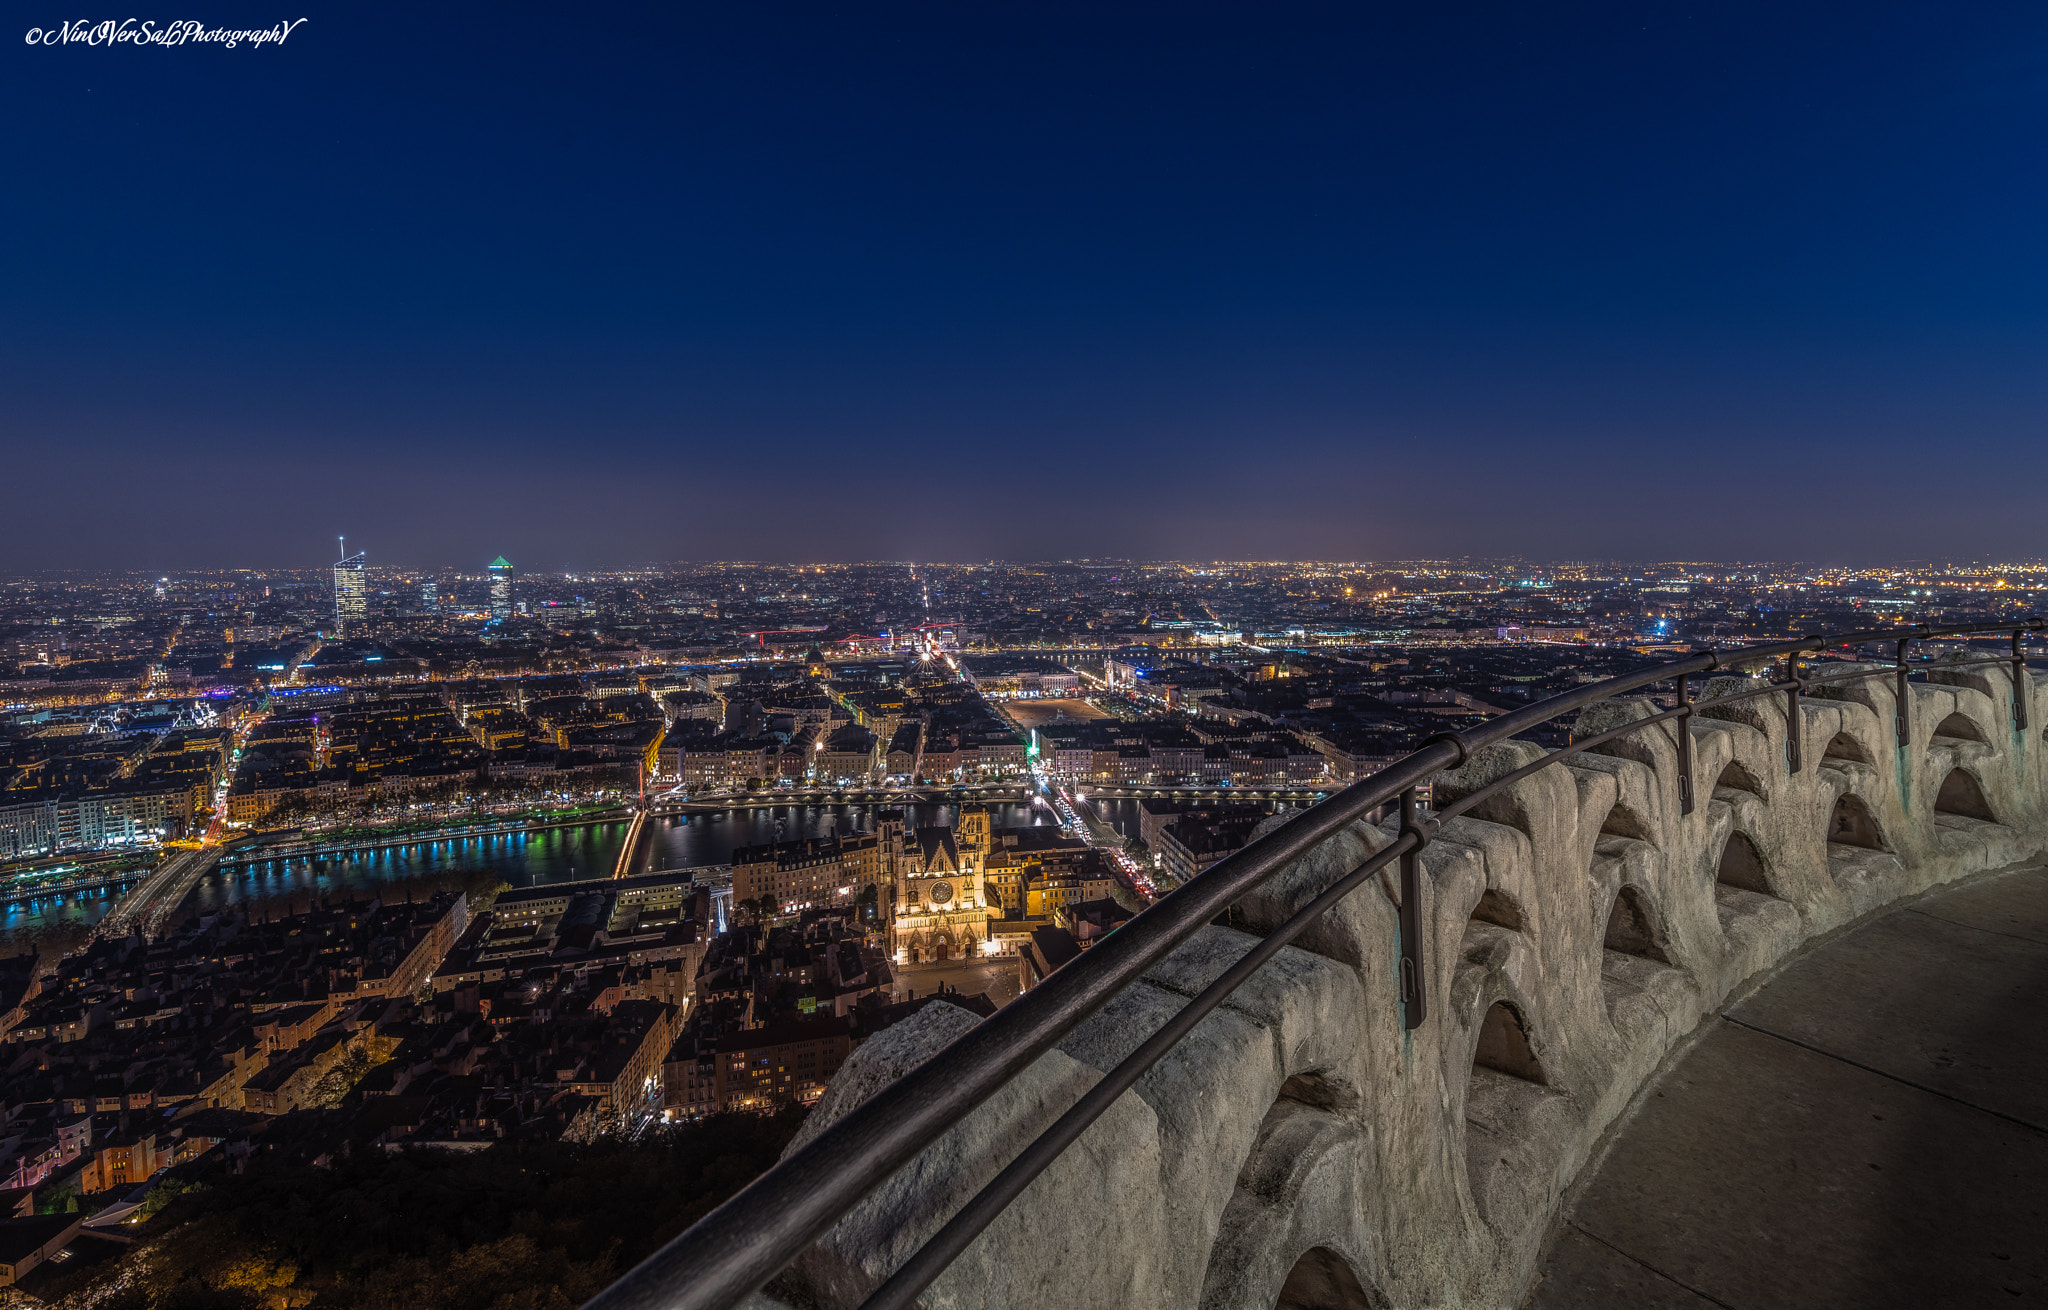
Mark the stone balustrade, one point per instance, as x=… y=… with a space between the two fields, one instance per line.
x=1301 y=1149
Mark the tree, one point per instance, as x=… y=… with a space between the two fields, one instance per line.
x=768 y=907
x=364 y=1053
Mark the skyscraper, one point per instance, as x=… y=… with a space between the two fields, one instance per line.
x=501 y=589
x=351 y=593
x=430 y=597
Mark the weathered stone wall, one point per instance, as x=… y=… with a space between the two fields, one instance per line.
x=1300 y=1148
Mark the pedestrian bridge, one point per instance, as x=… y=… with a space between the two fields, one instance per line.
x=1362 y=1065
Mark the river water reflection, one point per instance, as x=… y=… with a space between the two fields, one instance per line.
x=712 y=838
x=520 y=858
x=74 y=912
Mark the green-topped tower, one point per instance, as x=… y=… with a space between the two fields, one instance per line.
x=501 y=589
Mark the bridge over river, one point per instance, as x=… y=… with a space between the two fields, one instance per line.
x=1732 y=1003
x=149 y=904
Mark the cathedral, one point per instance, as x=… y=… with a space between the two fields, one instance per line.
x=941 y=912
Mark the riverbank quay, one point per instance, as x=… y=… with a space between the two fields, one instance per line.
x=771 y=799
x=54 y=878
x=392 y=839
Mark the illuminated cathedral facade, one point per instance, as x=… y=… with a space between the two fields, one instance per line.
x=941 y=906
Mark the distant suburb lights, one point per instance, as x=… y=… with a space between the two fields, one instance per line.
x=147 y=31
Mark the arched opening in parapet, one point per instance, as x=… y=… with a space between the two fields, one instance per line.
x=1502 y=809
x=1508 y=1168
x=1852 y=824
x=1322 y=1280
x=1961 y=794
x=1632 y=929
x=1960 y=726
x=1498 y=909
x=1842 y=746
x=1320 y=1090
x=1736 y=778
x=1742 y=866
x=1504 y=1046
x=1621 y=821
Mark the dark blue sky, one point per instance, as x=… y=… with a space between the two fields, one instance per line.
x=594 y=285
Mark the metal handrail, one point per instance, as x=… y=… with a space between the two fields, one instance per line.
x=737 y=1248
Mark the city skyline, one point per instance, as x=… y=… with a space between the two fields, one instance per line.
x=363 y=560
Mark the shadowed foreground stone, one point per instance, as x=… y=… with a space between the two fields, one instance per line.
x=1867 y=1129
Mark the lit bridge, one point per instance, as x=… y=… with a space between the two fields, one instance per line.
x=1360 y=1065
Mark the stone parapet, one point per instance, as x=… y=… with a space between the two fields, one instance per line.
x=1301 y=1148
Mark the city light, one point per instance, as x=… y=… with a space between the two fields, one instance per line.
x=449 y=732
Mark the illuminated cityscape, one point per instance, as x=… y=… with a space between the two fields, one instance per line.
x=811 y=800
x=149 y=710
x=1234 y=657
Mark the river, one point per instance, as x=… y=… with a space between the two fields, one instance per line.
x=686 y=843
x=521 y=859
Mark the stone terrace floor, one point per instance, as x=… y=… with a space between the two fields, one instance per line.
x=1868 y=1129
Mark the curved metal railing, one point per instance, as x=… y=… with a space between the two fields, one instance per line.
x=736 y=1249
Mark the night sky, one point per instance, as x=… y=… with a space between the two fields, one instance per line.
x=599 y=285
